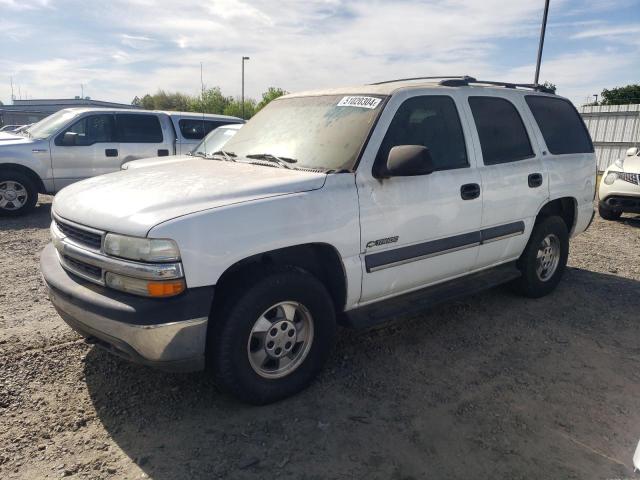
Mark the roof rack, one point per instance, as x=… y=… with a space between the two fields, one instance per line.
x=458 y=82
x=453 y=77
x=465 y=80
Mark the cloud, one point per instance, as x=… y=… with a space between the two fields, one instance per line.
x=120 y=49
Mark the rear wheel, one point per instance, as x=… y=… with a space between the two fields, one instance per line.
x=18 y=193
x=544 y=258
x=272 y=336
x=609 y=214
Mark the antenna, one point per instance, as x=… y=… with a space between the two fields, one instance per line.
x=204 y=133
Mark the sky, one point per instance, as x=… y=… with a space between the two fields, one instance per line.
x=119 y=49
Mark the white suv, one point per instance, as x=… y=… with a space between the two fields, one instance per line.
x=337 y=206
x=619 y=189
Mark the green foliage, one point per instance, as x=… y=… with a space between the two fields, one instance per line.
x=271 y=94
x=621 y=95
x=550 y=86
x=211 y=100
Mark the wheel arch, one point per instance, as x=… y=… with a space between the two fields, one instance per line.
x=564 y=207
x=27 y=171
x=319 y=259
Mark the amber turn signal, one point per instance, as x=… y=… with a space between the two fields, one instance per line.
x=165 y=289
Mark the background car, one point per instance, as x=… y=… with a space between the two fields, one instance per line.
x=210 y=144
x=619 y=190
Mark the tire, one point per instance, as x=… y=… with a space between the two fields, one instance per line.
x=233 y=344
x=18 y=193
x=536 y=280
x=608 y=214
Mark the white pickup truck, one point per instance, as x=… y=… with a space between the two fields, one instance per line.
x=343 y=206
x=78 y=143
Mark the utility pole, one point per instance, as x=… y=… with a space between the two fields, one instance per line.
x=81 y=92
x=13 y=97
x=243 y=60
x=541 y=44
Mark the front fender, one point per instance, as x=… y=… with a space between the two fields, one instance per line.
x=213 y=240
x=32 y=155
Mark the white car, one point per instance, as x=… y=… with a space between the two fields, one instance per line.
x=346 y=206
x=619 y=189
x=78 y=143
x=209 y=147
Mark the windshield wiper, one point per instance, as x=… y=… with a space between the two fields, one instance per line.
x=198 y=154
x=228 y=156
x=282 y=161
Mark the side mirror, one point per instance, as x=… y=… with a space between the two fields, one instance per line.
x=632 y=152
x=408 y=161
x=69 y=139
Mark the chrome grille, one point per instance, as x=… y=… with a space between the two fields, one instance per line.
x=83 y=268
x=80 y=235
x=629 y=177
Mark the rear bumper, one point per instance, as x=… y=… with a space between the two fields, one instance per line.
x=166 y=333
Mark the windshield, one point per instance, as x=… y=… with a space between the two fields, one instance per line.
x=324 y=132
x=214 y=141
x=51 y=124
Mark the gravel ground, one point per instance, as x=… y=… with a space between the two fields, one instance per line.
x=492 y=386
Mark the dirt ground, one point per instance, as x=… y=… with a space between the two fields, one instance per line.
x=492 y=386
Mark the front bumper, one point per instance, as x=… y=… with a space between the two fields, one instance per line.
x=621 y=203
x=168 y=333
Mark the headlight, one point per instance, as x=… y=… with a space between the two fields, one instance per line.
x=143 y=249
x=146 y=288
x=610 y=178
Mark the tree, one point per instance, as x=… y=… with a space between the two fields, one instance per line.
x=271 y=94
x=136 y=102
x=235 y=108
x=621 y=95
x=550 y=86
x=148 y=102
x=211 y=101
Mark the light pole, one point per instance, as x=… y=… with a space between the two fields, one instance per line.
x=541 y=44
x=243 y=60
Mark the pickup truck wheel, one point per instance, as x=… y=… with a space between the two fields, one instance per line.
x=18 y=194
x=544 y=259
x=271 y=339
x=608 y=214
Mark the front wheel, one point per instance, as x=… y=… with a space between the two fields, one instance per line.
x=272 y=335
x=544 y=258
x=18 y=193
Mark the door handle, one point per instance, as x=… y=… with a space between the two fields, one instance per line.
x=535 y=180
x=163 y=152
x=470 y=191
x=111 y=152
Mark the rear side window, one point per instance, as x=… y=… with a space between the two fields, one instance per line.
x=136 y=128
x=560 y=124
x=433 y=122
x=503 y=137
x=197 y=129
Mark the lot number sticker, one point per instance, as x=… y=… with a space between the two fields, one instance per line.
x=358 y=101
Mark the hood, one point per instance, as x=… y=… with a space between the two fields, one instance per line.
x=132 y=202
x=11 y=139
x=149 y=162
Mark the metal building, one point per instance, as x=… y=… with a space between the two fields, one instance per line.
x=614 y=129
x=22 y=112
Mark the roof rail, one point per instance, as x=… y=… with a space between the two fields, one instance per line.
x=456 y=77
x=458 y=82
